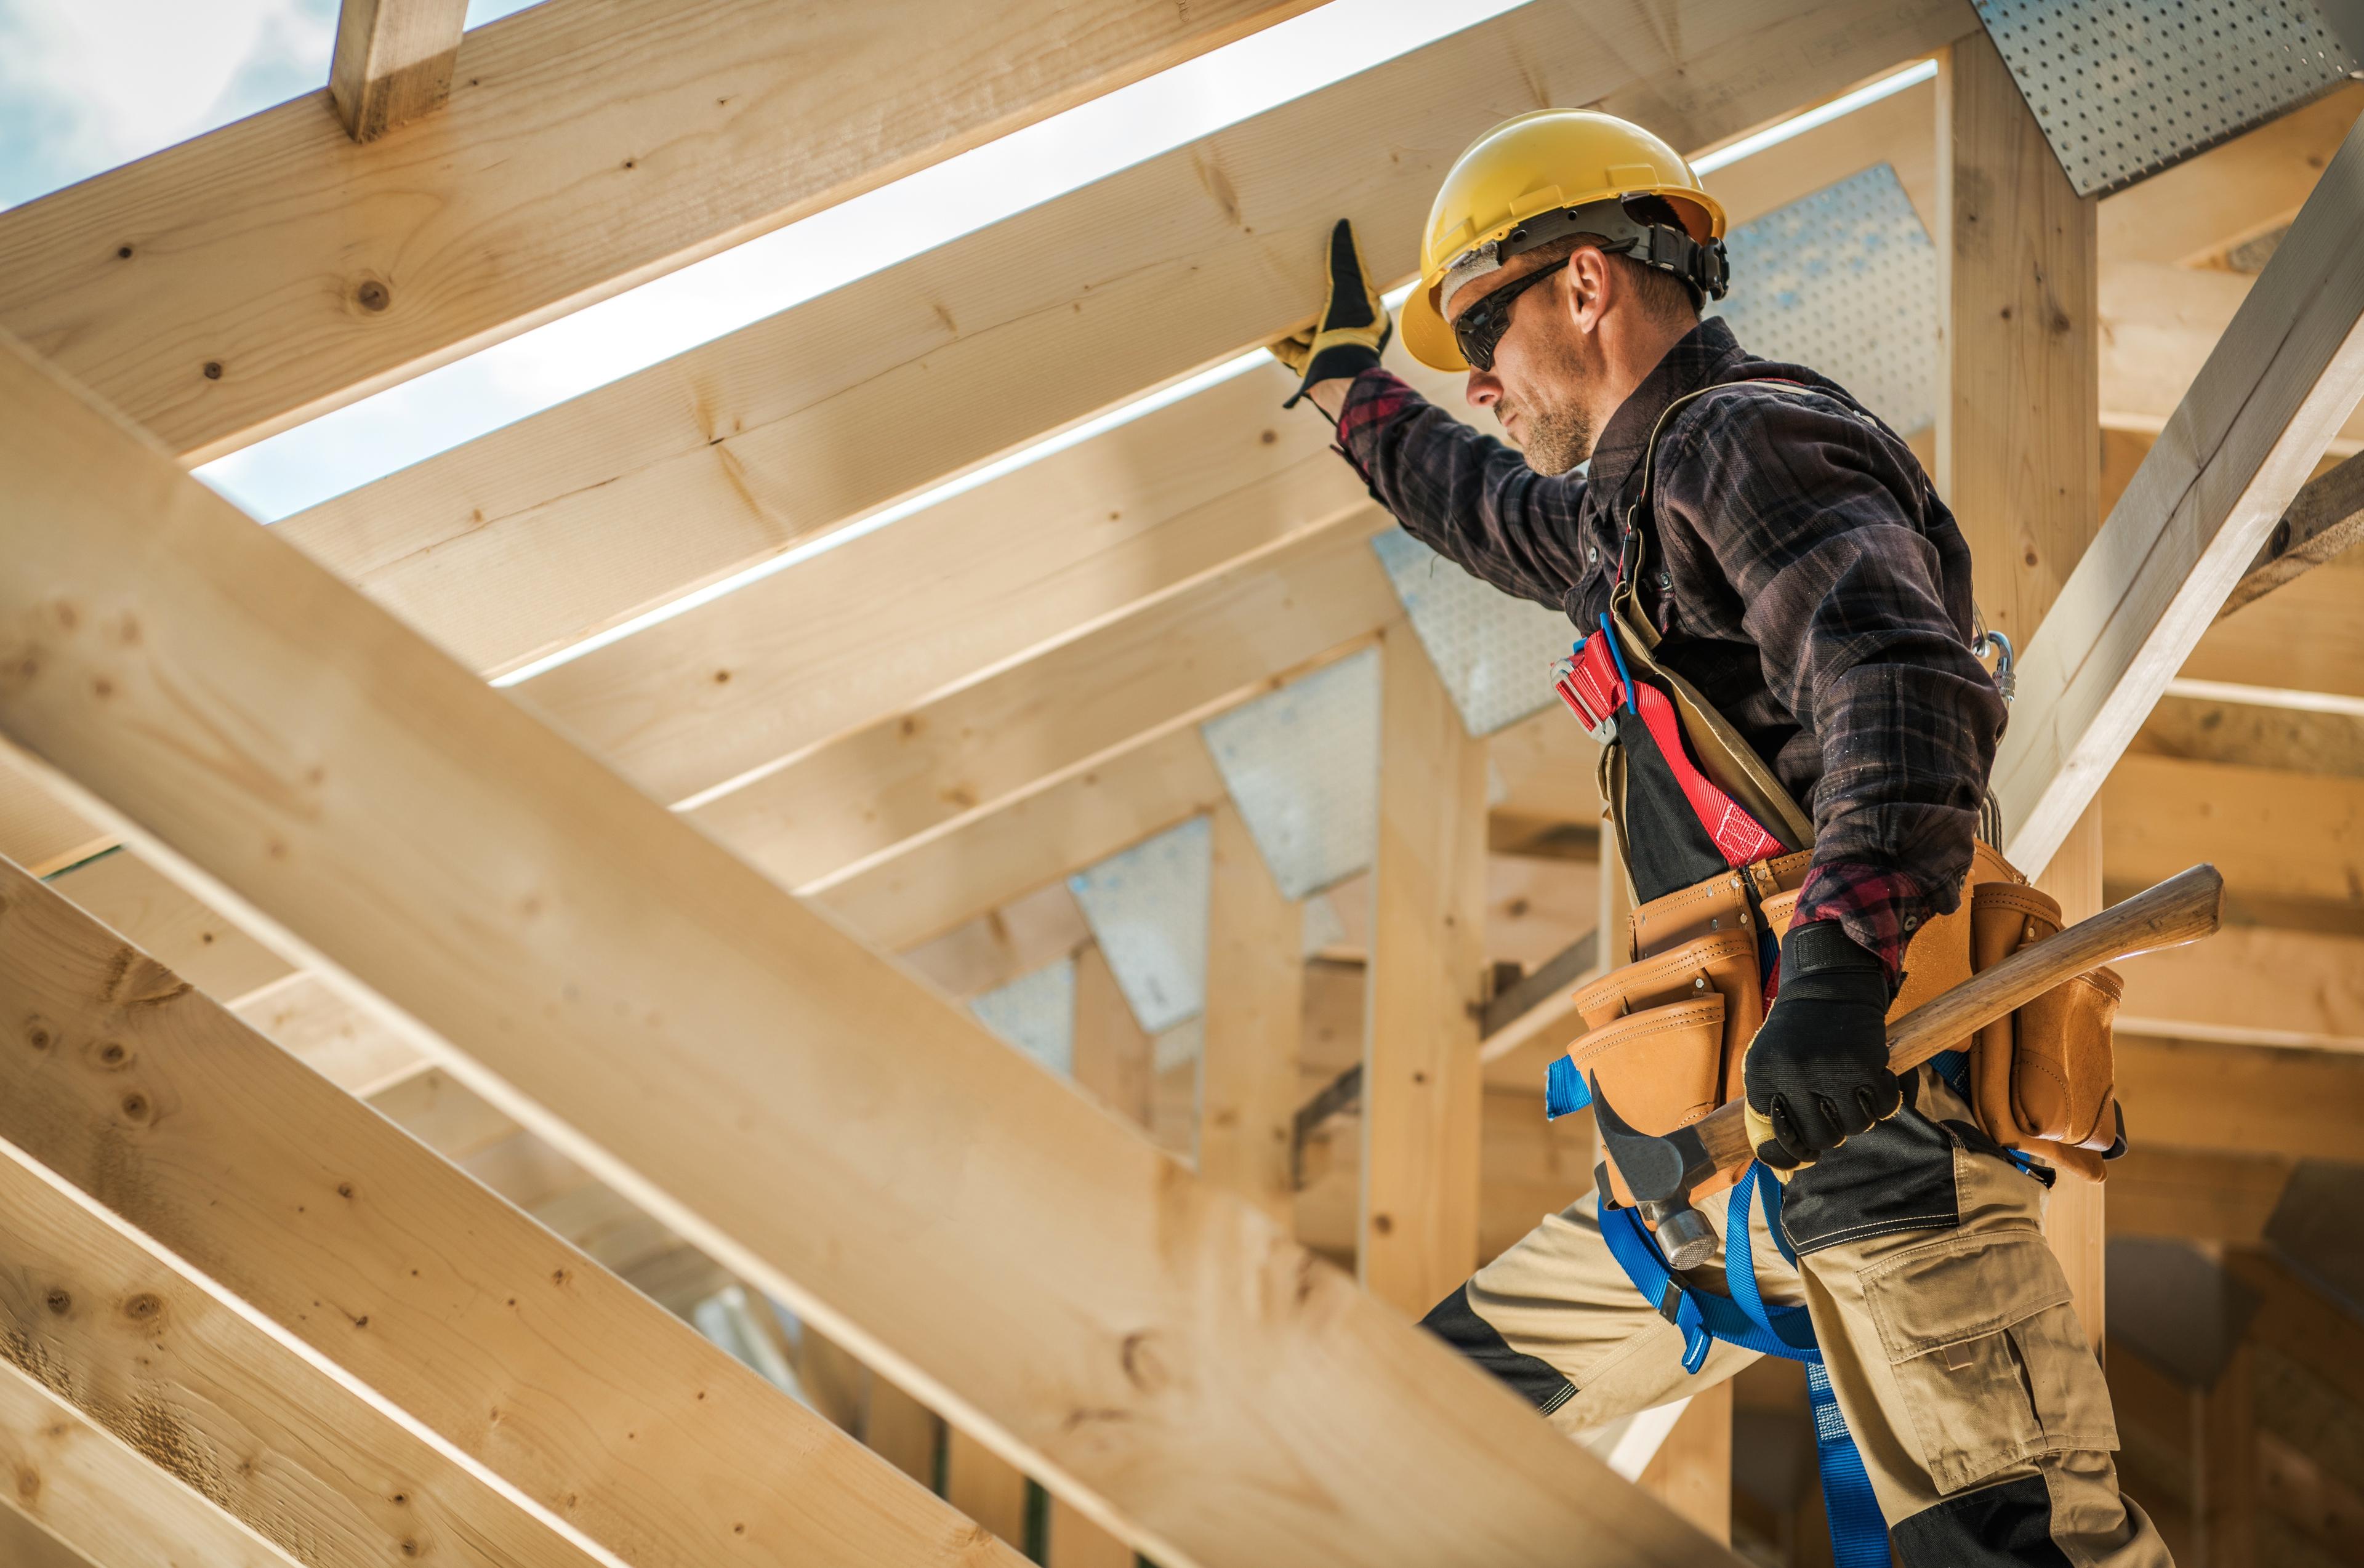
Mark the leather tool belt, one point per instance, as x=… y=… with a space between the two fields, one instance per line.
x=1714 y=850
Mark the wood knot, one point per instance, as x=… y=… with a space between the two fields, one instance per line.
x=1141 y=1367
x=135 y=1107
x=372 y=295
x=39 y=1033
x=144 y=1307
x=213 y=368
x=59 y=1302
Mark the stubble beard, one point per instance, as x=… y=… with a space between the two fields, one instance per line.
x=1557 y=440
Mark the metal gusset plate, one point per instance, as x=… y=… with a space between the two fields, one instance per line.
x=1147 y=909
x=2125 y=88
x=1844 y=281
x=1036 y=1013
x=1302 y=765
x=1493 y=653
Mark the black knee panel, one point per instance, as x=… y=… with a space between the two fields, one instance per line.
x=1536 y=1380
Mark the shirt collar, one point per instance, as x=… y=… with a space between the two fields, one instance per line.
x=1705 y=354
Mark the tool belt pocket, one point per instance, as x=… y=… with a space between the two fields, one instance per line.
x=2045 y=1078
x=1658 y=1067
x=1664 y=1035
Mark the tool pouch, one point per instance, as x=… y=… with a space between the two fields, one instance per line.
x=1665 y=1033
x=2044 y=1079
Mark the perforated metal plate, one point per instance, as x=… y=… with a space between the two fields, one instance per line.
x=1493 y=653
x=1844 y=281
x=1036 y=1013
x=1303 y=767
x=1147 y=909
x=2124 y=88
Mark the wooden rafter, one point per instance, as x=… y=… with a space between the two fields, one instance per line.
x=393 y=62
x=2326 y=519
x=1190 y=654
x=922 y=369
x=882 y=624
x=103 y=1497
x=705 y=1043
x=588 y=145
x=296 y=1456
x=269 y=1179
x=2243 y=441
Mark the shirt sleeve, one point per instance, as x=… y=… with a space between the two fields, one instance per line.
x=1465 y=494
x=1824 y=526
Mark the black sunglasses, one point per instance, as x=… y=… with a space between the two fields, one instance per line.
x=1479 y=329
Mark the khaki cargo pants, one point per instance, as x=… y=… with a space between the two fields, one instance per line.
x=1944 y=1319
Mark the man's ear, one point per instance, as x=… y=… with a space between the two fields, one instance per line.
x=1587 y=284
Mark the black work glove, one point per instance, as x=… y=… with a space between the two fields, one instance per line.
x=1346 y=338
x=1817 y=1072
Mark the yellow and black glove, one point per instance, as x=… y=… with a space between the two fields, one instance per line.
x=1817 y=1072
x=1346 y=338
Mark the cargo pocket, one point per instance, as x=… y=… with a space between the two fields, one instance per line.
x=1989 y=1357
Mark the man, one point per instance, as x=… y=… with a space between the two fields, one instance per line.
x=1794 y=565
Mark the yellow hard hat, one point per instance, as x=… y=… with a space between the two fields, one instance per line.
x=1524 y=183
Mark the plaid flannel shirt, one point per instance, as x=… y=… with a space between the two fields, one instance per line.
x=1804 y=577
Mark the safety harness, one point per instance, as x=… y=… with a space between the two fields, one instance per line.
x=1698 y=794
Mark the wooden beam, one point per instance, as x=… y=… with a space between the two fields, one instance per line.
x=885 y=623
x=2225 y=1198
x=704 y=1043
x=985 y=1486
x=104 y=1498
x=299 y=1458
x=2325 y=1510
x=2075 y=1214
x=198 y=944
x=2325 y=520
x=2274 y=834
x=24 y=1544
x=2225 y=1501
x=40 y=831
x=2228 y=462
x=1116 y=1061
x=587 y=147
x=266 y=1177
x=2308 y=636
x=925 y=369
x=2251 y=184
x=393 y=62
x=1255 y=1005
x=2160 y=324
x=1185 y=657
x=2240 y=1099
x=1421 y=1089
x=1692 y=1471
x=2299 y=1321
x=2019 y=433
x=2252 y=986
x=350 y=1047
x=935 y=882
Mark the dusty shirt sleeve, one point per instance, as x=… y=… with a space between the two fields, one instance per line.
x=1824 y=527
x=1465 y=494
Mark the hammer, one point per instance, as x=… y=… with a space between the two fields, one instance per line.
x=1662 y=1171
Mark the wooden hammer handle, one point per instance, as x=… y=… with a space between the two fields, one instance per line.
x=2185 y=907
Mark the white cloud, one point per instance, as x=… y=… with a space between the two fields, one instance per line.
x=91 y=84
x=88 y=84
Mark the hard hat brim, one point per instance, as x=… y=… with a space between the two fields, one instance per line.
x=1426 y=335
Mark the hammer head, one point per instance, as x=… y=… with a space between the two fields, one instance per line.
x=1661 y=1174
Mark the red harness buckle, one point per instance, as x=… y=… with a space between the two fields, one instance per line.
x=1587 y=681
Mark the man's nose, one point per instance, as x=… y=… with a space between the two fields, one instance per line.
x=1483 y=389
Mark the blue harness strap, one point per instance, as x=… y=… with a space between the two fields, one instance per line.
x=1858 y=1533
